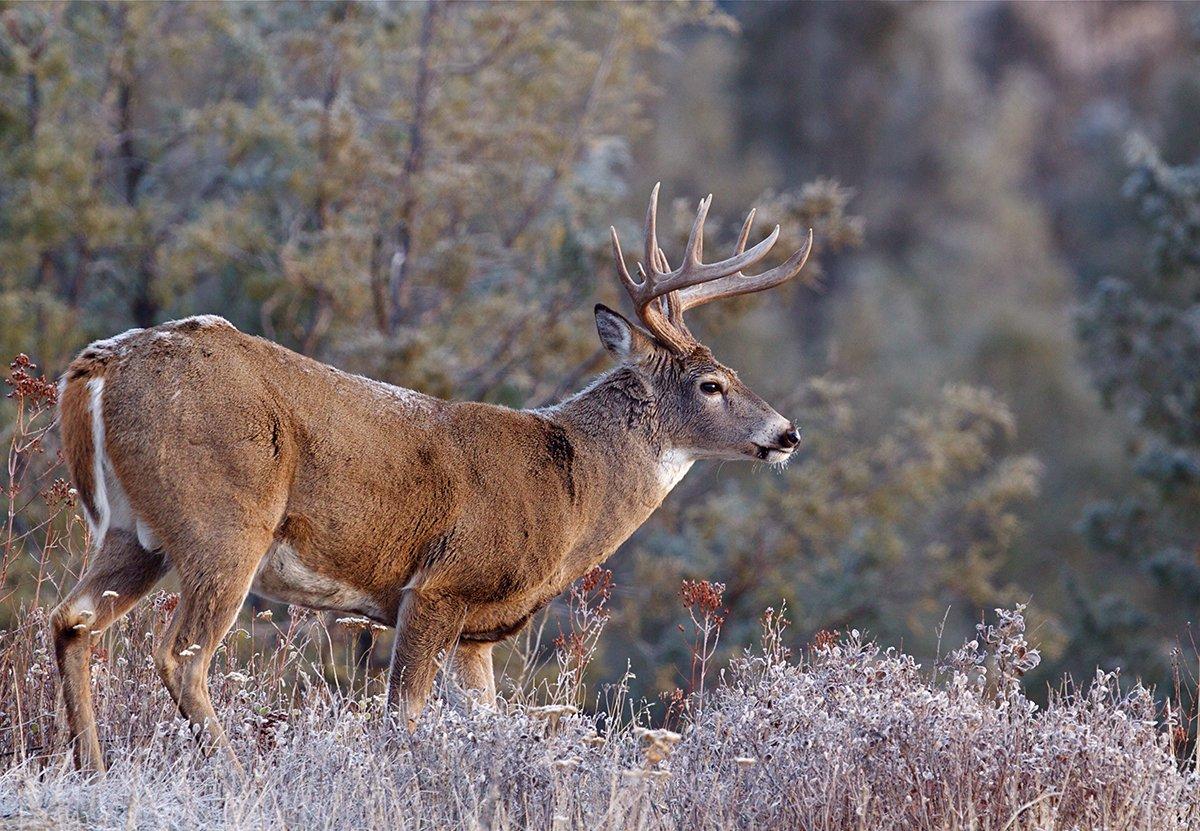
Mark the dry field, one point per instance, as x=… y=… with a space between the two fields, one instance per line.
x=841 y=735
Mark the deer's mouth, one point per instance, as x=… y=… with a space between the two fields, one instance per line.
x=771 y=455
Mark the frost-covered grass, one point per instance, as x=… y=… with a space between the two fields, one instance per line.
x=844 y=735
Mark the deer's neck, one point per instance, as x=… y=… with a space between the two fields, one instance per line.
x=626 y=463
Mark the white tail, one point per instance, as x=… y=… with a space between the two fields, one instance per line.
x=100 y=514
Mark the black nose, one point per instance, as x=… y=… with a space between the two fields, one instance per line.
x=790 y=438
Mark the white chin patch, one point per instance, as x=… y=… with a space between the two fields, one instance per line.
x=770 y=455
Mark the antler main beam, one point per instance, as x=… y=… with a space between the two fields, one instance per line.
x=662 y=295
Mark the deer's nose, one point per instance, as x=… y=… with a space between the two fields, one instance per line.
x=790 y=437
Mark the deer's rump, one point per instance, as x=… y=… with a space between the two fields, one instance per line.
x=185 y=430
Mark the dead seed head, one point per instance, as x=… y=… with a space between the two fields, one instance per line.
x=26 y=386
x=702 y=595
x=824 y=639
x=60 y=493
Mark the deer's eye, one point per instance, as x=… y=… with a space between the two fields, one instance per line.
x=710 y=388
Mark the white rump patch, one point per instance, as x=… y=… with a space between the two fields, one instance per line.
x=111 y=502
x=673 y=466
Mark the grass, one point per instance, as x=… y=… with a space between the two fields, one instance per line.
x=843 y=734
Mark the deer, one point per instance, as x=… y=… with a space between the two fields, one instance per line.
x=244 y=467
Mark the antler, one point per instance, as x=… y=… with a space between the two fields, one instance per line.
x=663 y=295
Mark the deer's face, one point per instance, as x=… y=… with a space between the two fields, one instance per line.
x=703 y=409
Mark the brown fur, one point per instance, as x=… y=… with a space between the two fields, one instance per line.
x=248 y=465
x=76 y=420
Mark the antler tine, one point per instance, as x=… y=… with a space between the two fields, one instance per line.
x=650 y=237
x=694 y=251
x=661 y=261
x=622 y=271
x=744 y=236
x=648 y=307
x=739 y=283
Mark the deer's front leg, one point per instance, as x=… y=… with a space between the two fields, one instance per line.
x=426 y=625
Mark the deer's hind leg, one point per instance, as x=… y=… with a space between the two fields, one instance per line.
x=120 y=573
x=215 y=574
x=473 y=666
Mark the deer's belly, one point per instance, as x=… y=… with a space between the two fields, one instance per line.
x=502 y=618
x=488 y=623
x=283 y=576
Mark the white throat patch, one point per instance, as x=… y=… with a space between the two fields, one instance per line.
x=672 y=466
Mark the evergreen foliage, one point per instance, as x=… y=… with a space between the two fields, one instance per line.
x=1142 y=335
x=421 y=193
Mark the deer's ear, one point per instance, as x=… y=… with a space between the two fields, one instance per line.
x=619 y=336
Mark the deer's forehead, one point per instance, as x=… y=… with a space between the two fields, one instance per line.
x=701 y=360
x=698 y=359
x=709 y=368
x=693 y=368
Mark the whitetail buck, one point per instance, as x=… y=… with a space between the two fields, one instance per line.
x=246 y=467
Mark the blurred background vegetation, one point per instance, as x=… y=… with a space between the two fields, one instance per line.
x=997 y=376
